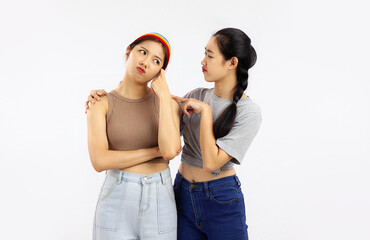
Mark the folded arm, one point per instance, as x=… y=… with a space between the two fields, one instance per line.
x=169 y=127
x=169 y=118
x=101 y=157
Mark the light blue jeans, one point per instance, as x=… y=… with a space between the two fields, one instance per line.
x=135 y=206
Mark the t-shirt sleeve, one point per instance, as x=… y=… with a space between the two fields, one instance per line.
x=238 y=140
x=192 y=94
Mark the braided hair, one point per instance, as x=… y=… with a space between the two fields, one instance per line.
x=233 y=42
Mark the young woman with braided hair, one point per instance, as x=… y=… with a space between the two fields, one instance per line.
x=218 y=125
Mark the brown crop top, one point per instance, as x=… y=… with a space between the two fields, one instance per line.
x=132 y=123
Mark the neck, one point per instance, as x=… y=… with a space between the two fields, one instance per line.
x=225 y=88
x=132 y=89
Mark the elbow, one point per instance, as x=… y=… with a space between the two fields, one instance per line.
x=96 y=163
x=98 y=160
x=210 y=167
x=98 y=169
x=171 y=154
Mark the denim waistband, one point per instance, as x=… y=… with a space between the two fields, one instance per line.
x=203 y=186
x=139 y=178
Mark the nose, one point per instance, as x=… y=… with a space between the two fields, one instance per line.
x=144 y=63
x=203 y=62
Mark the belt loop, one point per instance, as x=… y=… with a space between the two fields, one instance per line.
x=162 y=178
x=206 y=189
x=237 y=180
x=119 y=180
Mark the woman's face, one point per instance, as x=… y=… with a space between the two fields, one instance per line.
x=214 y=66
x=145 y=60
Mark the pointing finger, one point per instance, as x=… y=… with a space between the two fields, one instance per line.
x=179 y=98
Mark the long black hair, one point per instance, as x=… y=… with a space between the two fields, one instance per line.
x=233 y=42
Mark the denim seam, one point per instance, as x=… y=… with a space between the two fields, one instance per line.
x=158 y=211
x=121 y=202
x=110 y=191
x=186 y=187
x=235 y=188
x=224 y=202
x=120 y=212
x=240 y=214
x=223 y=185
x=147 y=207
x=169 y=194
x=192 y=204
x=96 y=208
x=101 y=189
x=139 y=182
x=200 y=211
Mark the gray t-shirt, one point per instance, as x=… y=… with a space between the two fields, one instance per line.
x=235 y=143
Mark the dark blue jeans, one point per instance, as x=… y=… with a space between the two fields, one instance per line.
x=210 y=210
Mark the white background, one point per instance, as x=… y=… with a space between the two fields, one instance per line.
x=305 y=175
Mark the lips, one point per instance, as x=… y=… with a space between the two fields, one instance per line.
x=140 y=70
x=203 y=69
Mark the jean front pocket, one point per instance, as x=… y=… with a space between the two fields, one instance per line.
x=166 y=207
x=109 y=207
x=226 y=194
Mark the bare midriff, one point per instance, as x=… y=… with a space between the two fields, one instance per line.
x=194 y=174
x=150 y=167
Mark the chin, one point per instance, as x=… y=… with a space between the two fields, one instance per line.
x=140 y=78
x=209 y=80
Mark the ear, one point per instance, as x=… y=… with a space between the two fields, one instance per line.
x=127 y=52
x=233 y=63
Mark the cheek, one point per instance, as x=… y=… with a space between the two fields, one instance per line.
x=155 y=68
x=213 y=70
x=214 y=73
x=153 y=72
x=130 y=61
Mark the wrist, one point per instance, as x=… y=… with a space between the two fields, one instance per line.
x=205 y=108
x=157 y=152
x=164 y=95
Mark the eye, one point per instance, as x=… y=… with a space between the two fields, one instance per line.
x=205 y=53
x=143 y=52
x=156 y=61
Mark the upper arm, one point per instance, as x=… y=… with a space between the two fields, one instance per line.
x=238 y=140
x=176 y=110
x=217 y=159
x=223 y=157
x=96 y=127
x=235 y=144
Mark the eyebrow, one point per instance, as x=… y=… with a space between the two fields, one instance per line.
x=149 y=51
x=207 y=50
